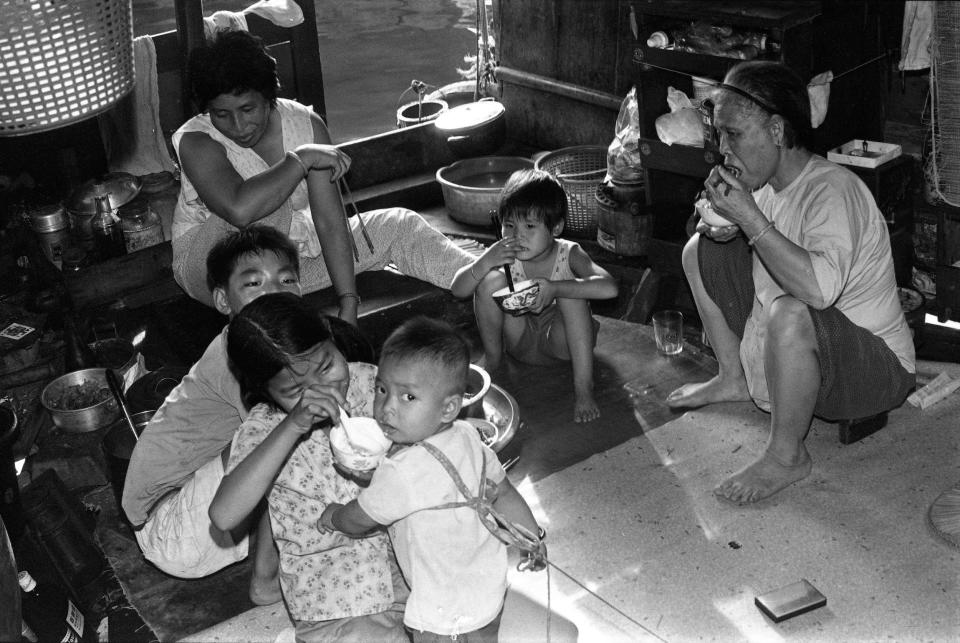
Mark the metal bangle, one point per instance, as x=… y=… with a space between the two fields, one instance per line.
x=349 y=294
x=299 y=161
x=757 y=236
x=472 y=274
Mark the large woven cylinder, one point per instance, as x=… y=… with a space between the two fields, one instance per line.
x=62 y=62
x=945 y=111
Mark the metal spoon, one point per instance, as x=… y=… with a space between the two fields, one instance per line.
x=346 y=431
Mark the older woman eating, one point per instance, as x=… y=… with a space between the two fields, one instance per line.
x=797 y=295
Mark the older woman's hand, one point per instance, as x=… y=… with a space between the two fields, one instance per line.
x=316 y=156
x=720 y=234
x=730 y=198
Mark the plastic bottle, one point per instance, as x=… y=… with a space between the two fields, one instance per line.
x=106 y=230
x=49 y=612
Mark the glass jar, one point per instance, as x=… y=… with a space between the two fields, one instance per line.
x=141 y=225
x=162 y=190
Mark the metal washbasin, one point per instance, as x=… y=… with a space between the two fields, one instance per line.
x=500 y=417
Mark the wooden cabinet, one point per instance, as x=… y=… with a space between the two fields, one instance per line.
x=810 y=37
x=937 y=244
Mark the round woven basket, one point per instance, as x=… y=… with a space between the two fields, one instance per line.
x=580 y=169
x=62 y=62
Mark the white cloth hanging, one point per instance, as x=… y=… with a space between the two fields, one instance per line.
x=283 y=13
x=818 y=89
x=917 y=26
x=131 y=132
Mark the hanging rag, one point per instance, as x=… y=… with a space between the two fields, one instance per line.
x=131 y=132
x=283 y=13
x=917 y=26
x=818 y=89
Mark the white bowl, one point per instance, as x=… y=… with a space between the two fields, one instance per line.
x=517 y=302
x=366 y=446
x=709 y=215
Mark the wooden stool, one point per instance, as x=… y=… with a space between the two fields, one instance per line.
x=853 y=430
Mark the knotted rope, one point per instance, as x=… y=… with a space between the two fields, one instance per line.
x=510 y=533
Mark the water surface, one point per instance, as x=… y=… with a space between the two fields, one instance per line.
x=371 y=50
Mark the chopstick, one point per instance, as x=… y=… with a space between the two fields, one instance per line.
x=506 y=266
x=509 y=463
x=506 y=273
x=363 y=227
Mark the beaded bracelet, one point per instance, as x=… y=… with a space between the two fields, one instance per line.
x=350 y=294
x=299 y=161
x=757 y=236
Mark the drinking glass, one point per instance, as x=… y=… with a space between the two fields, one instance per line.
x=668 y=331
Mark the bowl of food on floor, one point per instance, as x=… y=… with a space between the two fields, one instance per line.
x=80 y=401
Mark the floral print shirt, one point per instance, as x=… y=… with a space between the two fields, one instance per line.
x=323 y=576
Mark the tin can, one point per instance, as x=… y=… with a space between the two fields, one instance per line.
x=52 y=227
x=624 y=226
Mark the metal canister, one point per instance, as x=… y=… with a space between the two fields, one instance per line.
x=623 y=224
x=52 y=227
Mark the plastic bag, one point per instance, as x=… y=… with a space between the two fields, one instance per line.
x=682 y=124
x=623 y=154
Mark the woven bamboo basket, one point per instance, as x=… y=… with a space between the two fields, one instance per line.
x=580 y=170
x=62 y=62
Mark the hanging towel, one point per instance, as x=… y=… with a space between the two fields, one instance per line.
x=917 y=25
x=283 y=13
x=224 y=21
x=818 y=89
x=131 y=132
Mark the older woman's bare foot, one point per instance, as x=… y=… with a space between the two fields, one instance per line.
x=763 y=478
x=585 y=408
x=713 y=390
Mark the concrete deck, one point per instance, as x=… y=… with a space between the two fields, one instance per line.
x=664 y=559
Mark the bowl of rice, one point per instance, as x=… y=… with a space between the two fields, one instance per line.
x=358 y=443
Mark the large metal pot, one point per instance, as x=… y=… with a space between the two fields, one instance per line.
x=474 y=129
x=81 y=204
x=420 y=111
x=471 y=187
x=80 y=420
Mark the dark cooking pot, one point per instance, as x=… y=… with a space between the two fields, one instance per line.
x=474 y=129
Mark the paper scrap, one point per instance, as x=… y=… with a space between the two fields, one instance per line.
x=16 y=331
x=935 y=390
